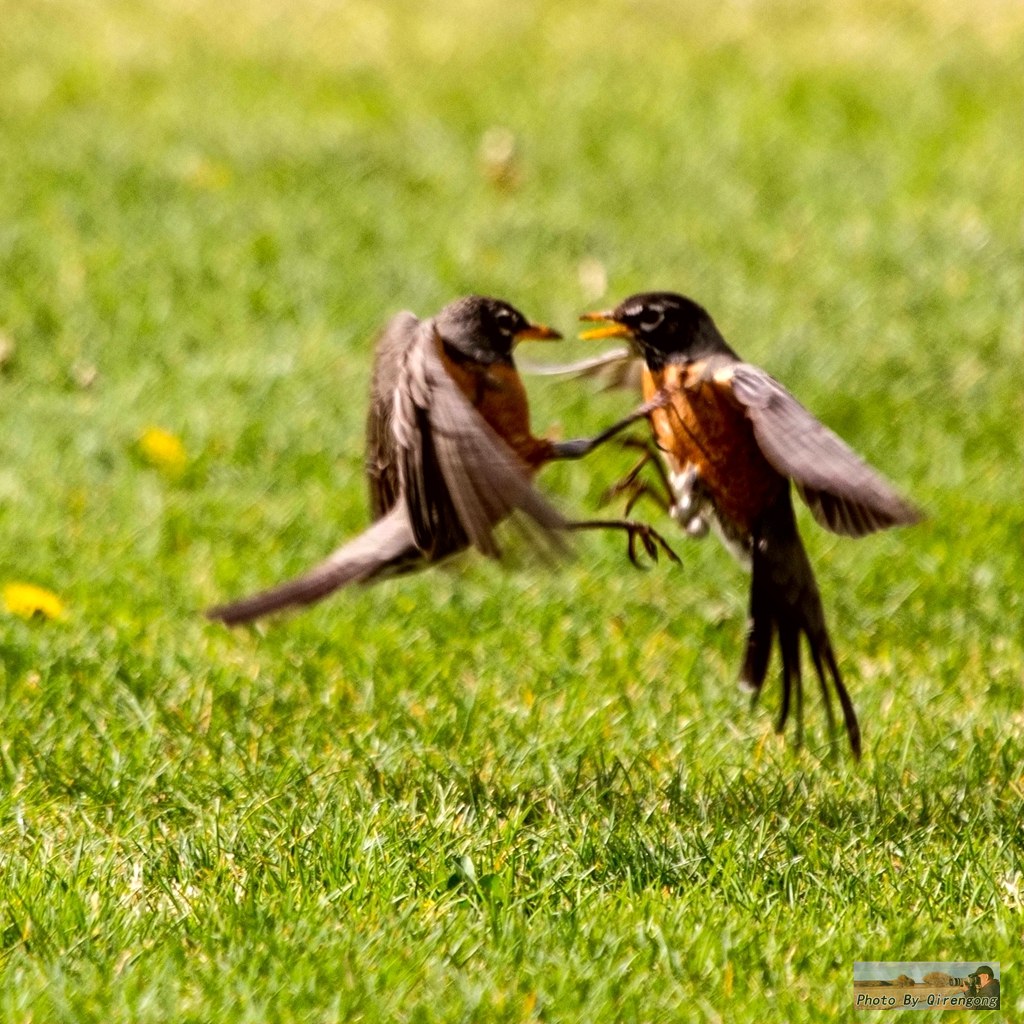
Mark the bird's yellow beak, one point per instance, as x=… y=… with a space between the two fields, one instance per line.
x=612 y=330
x=538 y=332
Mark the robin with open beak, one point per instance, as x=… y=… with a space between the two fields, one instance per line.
x=449 y=455
x=732 y=439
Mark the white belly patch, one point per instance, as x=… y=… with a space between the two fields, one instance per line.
x=695 y=511
x=692 y=509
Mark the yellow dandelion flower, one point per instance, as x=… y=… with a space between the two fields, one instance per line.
x=162 y=449
x=28 y=601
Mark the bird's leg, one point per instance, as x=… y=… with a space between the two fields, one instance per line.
x=652 y=541
x=581 y=446
x=644 y=490
x=647 y=535
x=653 y=453
x=635 y=489
x=631 y=484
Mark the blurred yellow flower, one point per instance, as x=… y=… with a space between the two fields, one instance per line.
x=28 y=600
x=207 y=175
x=499 y=157
x=162 y=449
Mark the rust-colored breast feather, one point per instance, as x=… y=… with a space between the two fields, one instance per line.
x=497 y=393
x=703 y=427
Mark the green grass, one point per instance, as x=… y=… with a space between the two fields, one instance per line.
x=491 y=793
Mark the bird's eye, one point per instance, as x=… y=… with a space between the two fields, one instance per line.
x=650 y=318
x=505 y=319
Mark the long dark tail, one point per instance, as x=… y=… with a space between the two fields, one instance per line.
x=385 y=549
x=784 y=601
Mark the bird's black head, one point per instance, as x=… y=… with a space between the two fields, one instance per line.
x=486 y=329
x=662 y=326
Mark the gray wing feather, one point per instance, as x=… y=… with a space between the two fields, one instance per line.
x=618 y=368
x=844 y=494
x=432 y=513
x=386 y=548
x=485 y=479
x=382 y=473
x=460 y=478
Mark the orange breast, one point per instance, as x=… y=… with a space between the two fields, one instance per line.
x=497 y=393
x=703 y=428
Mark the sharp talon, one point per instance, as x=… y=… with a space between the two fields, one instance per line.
x=667 y=549
x=632 y=554
x=632 y=549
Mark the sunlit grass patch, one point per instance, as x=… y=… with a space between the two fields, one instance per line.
x=492 y=793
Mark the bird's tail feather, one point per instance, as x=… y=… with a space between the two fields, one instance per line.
x=785 y=603
x=384 y=549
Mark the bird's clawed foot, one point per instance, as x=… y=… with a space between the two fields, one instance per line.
x=636 y=488
x=653 y=542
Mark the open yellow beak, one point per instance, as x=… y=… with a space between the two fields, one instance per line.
x=538 y=332
x=612 y=330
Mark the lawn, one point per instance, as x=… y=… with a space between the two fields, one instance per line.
x=494 y=792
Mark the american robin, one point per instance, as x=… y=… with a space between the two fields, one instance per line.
x=449 y=455
x=732 y=439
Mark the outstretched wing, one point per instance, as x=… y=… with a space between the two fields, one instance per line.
x=384 y=549
x=618 y=368
x=460 y=479
x=382 y=473
x=844 y=494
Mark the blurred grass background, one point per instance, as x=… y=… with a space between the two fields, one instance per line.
x=484 y=793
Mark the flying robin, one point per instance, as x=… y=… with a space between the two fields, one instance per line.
x=732 y=439
x=449 y=455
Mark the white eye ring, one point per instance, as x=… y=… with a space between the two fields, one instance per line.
x=505 y=320
x=647 y=324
